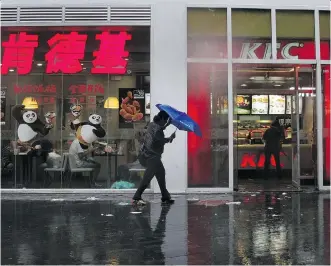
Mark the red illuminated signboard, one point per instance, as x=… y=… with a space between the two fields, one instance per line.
x=249 y=160
x=66 y=52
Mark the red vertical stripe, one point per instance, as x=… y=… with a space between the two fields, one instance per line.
x=199 y=149
x=327 y=131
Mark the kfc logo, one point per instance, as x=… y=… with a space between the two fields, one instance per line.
x=251 y=160
x=262 y=50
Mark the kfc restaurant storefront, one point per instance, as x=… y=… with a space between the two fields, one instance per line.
x=233 y=69
x=268 y=65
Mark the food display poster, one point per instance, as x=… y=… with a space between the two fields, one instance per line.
x=260 y=104
x=132 y=107
x=3 y=105
x=243 y=105
x=291 y=105
x=277 y=104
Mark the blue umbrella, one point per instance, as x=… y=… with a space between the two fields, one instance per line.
x=180 y=119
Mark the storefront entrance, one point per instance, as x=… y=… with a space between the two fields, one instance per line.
x=264 y=94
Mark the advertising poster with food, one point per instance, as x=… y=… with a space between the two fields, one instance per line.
x=277 y=104
x=260 y=104
x=3 y=106
x=243 y=105
x=132 y=107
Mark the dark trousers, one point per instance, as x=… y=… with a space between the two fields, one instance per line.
x=276 y=154
x=154 y=167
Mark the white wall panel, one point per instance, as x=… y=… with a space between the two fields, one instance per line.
x=169 y=82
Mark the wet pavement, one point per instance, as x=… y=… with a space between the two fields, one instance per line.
x=250 y=228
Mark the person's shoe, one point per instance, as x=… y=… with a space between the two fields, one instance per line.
x=139 y=202
x=168 y=201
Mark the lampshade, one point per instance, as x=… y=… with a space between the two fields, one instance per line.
x=30 y=103
x=111 y=103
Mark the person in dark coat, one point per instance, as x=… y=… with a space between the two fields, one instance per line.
x=272 y=138
x=150 y=157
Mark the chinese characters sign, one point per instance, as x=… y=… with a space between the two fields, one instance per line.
x=65 y=53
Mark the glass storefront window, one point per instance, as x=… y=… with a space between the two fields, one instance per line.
x=77 y=86
x=208 y=159
x=325 y=35
x=251 y=31
x=206 y=33
x=295 y=34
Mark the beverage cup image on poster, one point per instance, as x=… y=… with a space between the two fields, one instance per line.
x=131 y=107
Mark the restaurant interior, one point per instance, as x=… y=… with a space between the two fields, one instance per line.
x=263 y=95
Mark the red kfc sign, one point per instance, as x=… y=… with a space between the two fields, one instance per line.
x=66 y=51
x=285 y=50
x=250 y=160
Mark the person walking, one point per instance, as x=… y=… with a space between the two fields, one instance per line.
x=150 y=157
x=272 y=138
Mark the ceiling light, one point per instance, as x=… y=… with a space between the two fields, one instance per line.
x=39 y=64
x=84 y=68
x=277 y=85
x=81 y=64
x=127 y=59
x=243 y=85
x=111 y=103
x=252 y=78
x=11 y=70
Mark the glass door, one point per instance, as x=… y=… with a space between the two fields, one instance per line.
x=303 y=125
x=264 y=94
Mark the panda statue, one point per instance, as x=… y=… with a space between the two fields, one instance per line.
x=88 y=132
x=29 y=124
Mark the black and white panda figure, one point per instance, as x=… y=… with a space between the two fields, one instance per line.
x=29 y=124
x=88 y=132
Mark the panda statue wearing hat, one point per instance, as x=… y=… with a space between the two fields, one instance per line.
x=89 y=132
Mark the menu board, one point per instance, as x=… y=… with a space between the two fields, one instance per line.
x=260 y=104
x=243 y=105
x=291 y=105
x=277 y=104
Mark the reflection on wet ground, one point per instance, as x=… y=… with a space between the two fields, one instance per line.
x=260 y=228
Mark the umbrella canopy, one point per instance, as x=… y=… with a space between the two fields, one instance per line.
x=180 y=119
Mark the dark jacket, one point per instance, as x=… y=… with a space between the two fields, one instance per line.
x=154 y=141
x=273 y=137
